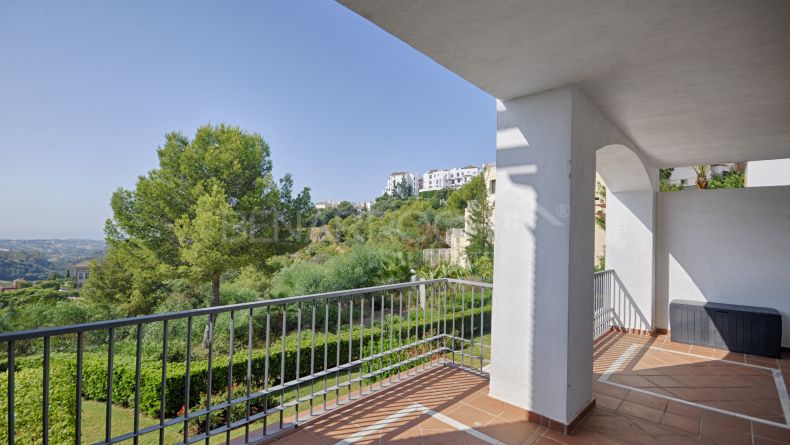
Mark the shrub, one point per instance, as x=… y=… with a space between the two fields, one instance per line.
x=727 y=180
x=28 y=399
x=359 y=267
x=238 y=411
x=94 y=381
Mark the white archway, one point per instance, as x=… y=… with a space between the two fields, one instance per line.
x=630 y=243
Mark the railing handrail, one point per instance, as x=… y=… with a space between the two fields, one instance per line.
x=144 y=319
x=469 y=282
x=601 y=272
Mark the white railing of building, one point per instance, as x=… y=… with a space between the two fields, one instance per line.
x=603 y=288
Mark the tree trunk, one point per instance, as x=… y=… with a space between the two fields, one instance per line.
x=214 y=302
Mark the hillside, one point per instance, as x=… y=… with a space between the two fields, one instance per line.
x=35 y=259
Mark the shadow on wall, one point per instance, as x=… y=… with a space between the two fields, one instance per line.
x=625 y=312
x=525 y=221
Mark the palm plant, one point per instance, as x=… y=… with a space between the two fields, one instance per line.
x=702 y=175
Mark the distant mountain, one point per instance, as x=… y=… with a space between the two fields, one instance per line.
x=35 y=259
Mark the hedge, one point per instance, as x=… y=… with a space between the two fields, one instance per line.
x=94 y=382
x=28 y=400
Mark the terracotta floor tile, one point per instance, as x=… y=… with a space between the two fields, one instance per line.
x=684 y=410
x=700 y=350
x=762 y=361
x=676 y=440
x=766 y=441
x=579 y=437
x=509 y=432
x=544 y=440
x=634 y=381
x=610 y=390
x=682 y=423
x=432 y=424
x=718 y=420
x=412 y=436
x=488 y=404
x=443 y=437
x=735 y=357
x=771 y=432
x=471 y=416
x=715 y=378
x=299 y=438
x=513 y=413
x=724 y=436
x=640 y=411
x=680 y=347
x=646 y=400
x=607 y=402
x=535 y=436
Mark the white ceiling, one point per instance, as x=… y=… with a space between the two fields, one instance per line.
x=689 y=81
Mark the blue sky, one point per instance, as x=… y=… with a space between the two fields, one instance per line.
x=88 y=90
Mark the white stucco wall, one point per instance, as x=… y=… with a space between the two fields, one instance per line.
x=768 y=173
x=629 y=251
x=728 y=246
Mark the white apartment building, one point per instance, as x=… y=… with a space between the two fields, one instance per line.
x=433 y=180
x=323 y=205
x=397 y=178
x=454 y=178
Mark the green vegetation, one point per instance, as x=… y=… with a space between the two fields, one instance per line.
x=210 y=226
x=26 y=264
x=732 y=179
x=600 y=211
x=481 y=236
x=728 y=180
x=28 y=400
x=210 y=208
x=40 y=304
x=663 y=181
x=352 y=344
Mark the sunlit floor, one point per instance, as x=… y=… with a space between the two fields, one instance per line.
x=647 y=389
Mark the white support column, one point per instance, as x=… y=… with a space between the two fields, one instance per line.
x=542 y=315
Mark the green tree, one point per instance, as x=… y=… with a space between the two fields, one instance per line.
x=219 y=161
x=664 y=185
x=129 y=280
x=345 y=209
x=481 y=233
x=211 y=243
x=403 y=190
x=472 y=190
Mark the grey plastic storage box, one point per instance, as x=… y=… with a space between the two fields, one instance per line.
x=747 y=329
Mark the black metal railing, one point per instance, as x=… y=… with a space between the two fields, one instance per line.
x=247 y=370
